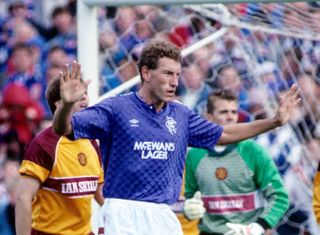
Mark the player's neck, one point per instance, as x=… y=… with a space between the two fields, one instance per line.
x=150 y=100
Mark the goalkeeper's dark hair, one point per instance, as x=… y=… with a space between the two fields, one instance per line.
x=220 y=94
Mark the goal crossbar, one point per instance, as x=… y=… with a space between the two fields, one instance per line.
x=174 y=2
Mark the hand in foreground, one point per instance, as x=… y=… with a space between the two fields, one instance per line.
x=287 y=104
x=72 y=88
x=193 y=208
x=241 y=229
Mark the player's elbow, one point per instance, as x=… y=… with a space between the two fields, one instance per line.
x=23 y=199
x=225 y=139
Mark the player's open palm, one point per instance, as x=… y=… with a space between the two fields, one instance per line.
x=72 y=88
x=287 y=104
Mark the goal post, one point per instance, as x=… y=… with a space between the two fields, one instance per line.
x=87 y=36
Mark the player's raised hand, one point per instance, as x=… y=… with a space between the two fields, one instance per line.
x=72 y=88
x=287 y=104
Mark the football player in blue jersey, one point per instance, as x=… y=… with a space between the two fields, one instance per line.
x=144 y=137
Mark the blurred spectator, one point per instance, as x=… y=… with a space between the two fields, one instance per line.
x=25 y=113
x=58 y=19
x=263 y=52
x=16 y=20
x=26 y=34
x=290 y=66
x=126 y=68
x=309 y=89
x=10 y=170
x=297 y=17
x=21 y=69
x=17 y=13
x=125 y=17
x=193 y=91
x=53 y=72
x=203 y=57
x=228 y=78
x=268 y=73
x=144 y=30
x=185 y=33
x=138 y=33
x=56 y=57
x=147 y=12
x=7 y=207
x=66 y=36
x=107 y=39
x=233 y=53
x=309 y=118
x=258 y=107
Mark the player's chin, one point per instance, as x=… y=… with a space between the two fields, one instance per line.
x=169 y=98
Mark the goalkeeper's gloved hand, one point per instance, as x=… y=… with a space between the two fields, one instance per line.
x=193 y=208
x=241 y=229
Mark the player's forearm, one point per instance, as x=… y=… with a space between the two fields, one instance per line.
x=23 y=216
x=98 y=195
x=277 y=205
x=274 y=192
x=62 y=119
x=240 y=131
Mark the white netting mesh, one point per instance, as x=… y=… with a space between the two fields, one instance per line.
x=263 y=50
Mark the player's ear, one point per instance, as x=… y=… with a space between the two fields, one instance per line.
x=145 y=72
x=57 y=103
x=208 y=116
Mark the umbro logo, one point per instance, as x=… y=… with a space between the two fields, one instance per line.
x=134 y=122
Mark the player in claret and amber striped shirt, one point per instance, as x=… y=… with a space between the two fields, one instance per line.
x=144 y=137
x=59 y=178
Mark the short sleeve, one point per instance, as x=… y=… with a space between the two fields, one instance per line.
x=36 y=163
x=94 y=122
x=203 y=133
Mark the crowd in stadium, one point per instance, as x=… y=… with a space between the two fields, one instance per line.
x=32 y=53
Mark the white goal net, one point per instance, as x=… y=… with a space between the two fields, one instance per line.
x=264 y=47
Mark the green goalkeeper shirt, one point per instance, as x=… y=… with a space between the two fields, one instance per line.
x=239 y=184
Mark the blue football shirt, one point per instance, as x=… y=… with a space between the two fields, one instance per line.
x=144 y=150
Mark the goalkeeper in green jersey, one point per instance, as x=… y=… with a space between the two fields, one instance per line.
x=235 y=189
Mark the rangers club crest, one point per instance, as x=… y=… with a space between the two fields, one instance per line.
x=171 y=125
x=82 y=158
x=221 y=173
